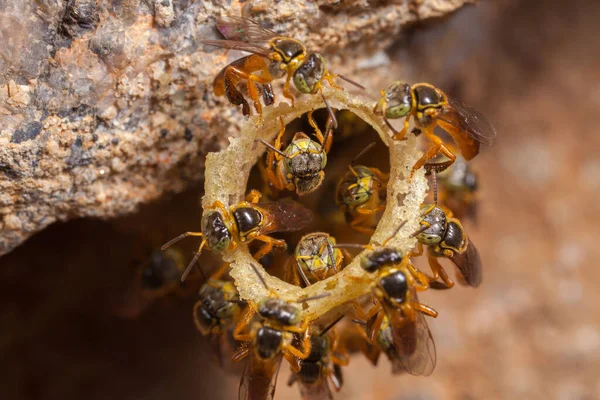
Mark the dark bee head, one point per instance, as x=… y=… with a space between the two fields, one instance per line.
x=398 y=100
x=436 y=219
x=215 y=231
x=160 y=269
x=394 y=286
x=427 y=96
x=268 y=342
x=247 y=219
x=378 y=259
x=288 y=49
x=218 y=301
x=280 y=311
x=310 y=73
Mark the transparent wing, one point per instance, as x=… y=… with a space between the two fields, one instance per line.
x=244 y=30
x=259 y=378
x=238 y=45
x=318 y=390
x=414 y=345
x=469 y=264
x=285 y=215
x=468 y=120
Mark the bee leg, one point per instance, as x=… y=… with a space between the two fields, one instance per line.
x=240 y=353
x=234 y=96
x=401 y=135
x=319 y=134
x=438 y=270
x=425 y=309
x=254 y=196
x=361 y=313
x=329 y=78
x=268 y=246
x=421 y=279
x=245 y=319
x=286 y=90
x=438 y=147
x=306 y=347
x=419 y=251
x=219 y=272
x=294 y=363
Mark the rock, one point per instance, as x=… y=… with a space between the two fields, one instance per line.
x=106 y=105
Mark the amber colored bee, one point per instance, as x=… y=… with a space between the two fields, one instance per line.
x=269 y=340
x=300 y=167
x=315 y=258
x=445 y=237
x=430 y=107
x=223 y=229
x=273 y=57
x=322 y=365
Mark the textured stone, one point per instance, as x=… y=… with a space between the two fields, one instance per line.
x=105 y=105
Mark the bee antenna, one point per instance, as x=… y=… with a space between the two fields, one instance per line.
x=262 y=280
x=330 y=111
x=331 y=325
x=311 y=298
x=395 y=232
x=421 y=230
x=331 y=256
x=302 y=274
x=272 y=148
x=358 y=85
x=435 y=188
x=362 y=152
x=349 y=245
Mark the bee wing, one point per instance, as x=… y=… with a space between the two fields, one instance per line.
x=238 y=45
x=469 y=264
x=244 y=30
x=318 y=390
x=414 y=345
x=259 y=378
x=285 y=215
x=468 y=120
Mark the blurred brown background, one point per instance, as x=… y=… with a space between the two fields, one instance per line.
x=74 y=326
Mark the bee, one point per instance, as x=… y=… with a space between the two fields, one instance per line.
x=273 y=57
x=161 y=274
x=430 y=107
x=395 y=286
x=361 y=194
x=300 y=166
x=316 y=258
x=218 y=305
x=445 y=237
x=223 y=229
x=323 y=364
x=215 y=312
x=459 y=184
x=270 y=340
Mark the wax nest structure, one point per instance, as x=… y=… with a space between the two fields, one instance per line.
x=227 y=174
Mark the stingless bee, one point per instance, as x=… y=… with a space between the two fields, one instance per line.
x=395 y=285
x=445 y=237
x=322 y=365
x=223 y=229
x=361 y=194
x=218 y=304
x=273 y=57
x=269 y=340
x=300 y=166
x=316 y=258
x=430 y=107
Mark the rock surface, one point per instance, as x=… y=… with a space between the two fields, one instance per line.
x=107 y=104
